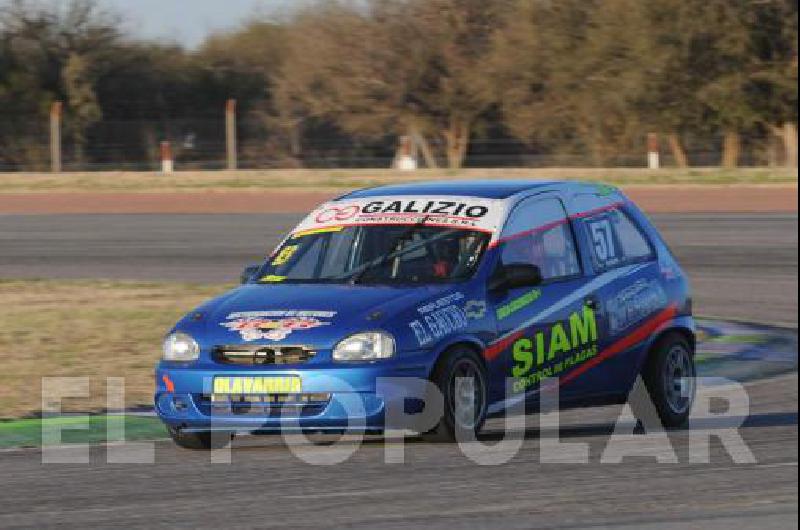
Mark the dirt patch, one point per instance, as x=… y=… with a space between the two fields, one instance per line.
x=713 y=199
x=738 y=198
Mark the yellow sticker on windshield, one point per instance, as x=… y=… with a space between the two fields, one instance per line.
x=272 y=278
x=284 y=255
x=318 y=231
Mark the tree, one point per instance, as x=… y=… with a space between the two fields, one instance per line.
x=774 y=80
x=414 y=67
x=613 y=71
x=570 y=75
x=720 y=48
x=453 y=92
x=60 y=49
x=316 y=80
x=243 y=65
x=23 y=105
x=81 y=102
x=670 y=102
x=565 y=77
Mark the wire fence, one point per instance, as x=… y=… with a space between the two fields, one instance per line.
x=200 y=143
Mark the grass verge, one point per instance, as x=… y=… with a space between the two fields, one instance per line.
x=310 y=179
x=86 y=328
x=98 y=329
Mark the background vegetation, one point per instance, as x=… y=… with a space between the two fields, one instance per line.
x=475 y=82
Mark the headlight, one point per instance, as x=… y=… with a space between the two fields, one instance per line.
x=181 y=347
x=365 y=347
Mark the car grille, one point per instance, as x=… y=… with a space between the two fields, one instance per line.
x=260 y=355
x=268 y=405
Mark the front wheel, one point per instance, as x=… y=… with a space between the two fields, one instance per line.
x=199 y=441
x=669 y=377
x=461 y=378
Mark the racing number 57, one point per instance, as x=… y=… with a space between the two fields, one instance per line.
x=603 y=240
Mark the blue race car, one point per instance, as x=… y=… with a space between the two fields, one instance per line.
x=499 y=284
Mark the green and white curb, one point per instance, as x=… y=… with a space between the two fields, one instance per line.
x=744 y=352
x=81 y=429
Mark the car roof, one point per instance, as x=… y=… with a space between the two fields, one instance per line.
x=487 y=189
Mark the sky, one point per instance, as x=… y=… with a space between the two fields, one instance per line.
x=187 y=22
x=190 y=21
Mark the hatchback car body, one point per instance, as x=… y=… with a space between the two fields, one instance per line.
x=497 y=283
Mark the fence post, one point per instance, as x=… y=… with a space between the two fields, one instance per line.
x=56 y=110
x=230 y=133
x=790 y=142
x=167 y=164
x=653 y=161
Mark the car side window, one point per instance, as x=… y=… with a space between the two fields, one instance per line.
x=616 y=240
x=538 y=232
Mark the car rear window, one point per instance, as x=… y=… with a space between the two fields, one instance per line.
x=616 y=240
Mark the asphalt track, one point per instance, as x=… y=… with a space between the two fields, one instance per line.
x=742 y=267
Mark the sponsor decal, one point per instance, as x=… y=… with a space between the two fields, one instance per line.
x=438 y=324
x=226 y=386
x=441 y=302
x=272 y=278
x=633 y=304
x=439 y=318
x=554 y=350
x=429 y=207
x=470 y=213
x=475 y=309
x=640 y=333
x=506 y=310
x=274 y=325
x=604 y=190
x=605 y=248
x=337 y=213
x=317 y=231
x=504 y=342
x=284 y=255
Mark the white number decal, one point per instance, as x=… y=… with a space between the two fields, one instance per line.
x=603 y=240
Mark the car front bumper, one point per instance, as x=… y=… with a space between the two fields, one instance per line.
x=334 y=397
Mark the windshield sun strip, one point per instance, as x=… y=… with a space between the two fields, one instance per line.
x=339 y=228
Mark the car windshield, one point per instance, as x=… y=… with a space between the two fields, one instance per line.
x=377 y=254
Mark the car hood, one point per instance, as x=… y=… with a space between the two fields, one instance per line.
x=316 y=315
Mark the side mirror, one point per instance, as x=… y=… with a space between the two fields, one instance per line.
x=514 y=276
x=249 y=273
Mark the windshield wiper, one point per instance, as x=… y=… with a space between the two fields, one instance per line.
x=379 y=262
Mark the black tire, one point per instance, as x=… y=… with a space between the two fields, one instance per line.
x=199 y=441
x=323 y=438
x=458 y=362
x=669 y=368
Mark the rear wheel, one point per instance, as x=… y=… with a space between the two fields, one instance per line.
x=199 y=441
x=461 y=378
x=669 y=377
